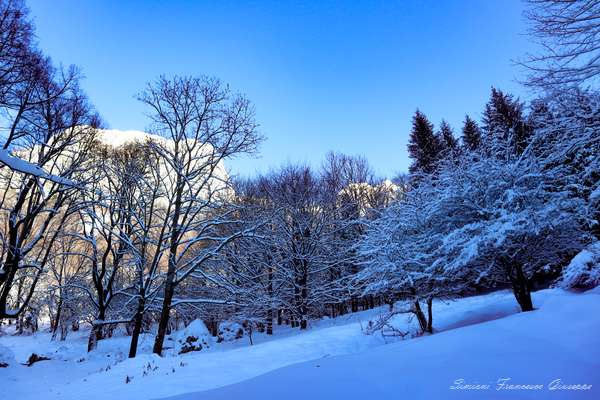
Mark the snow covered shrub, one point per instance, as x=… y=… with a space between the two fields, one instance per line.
x=193 y=337
x=385 y=324
x=229 y=331
x=584 y=269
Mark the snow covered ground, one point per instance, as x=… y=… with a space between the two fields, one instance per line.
x=334 y=359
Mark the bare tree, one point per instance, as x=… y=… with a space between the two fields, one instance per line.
x=107 y=220
x=47 y=127
x=66 y=273
x=148 y=237
x=568 y=33
x=202 y=124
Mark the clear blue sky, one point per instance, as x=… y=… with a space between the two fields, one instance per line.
x=323 y=75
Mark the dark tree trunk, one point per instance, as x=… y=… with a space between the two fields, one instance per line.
x=11 y=264
x=137 y=327
x=270 y=321
x=213 y=327
x=420 y=316
x=303 y=322
x=390 y=303
x=430 y=315
x=56 y=321
x=163 y=322
x=521 y=287
x=97 y=332
x=92 y=340
x=20 y=319
x=353 y=305
x=304 y=299
x=170 y=283
x=270 y=310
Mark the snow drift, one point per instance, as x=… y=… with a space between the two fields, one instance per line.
x=553 y=353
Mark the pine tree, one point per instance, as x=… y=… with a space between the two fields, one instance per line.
x=471 y=135
x=506 y=133
x=424 y=146
x=447 y=140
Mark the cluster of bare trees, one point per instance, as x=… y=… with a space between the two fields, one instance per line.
x=160 y=210
x=47 y=130
x=300 y=261
x=139 y=233
x=120 y=228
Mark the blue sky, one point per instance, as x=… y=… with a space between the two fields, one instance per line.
x=323 y=75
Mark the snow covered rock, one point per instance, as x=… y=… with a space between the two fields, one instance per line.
x=7 y=357
x=229 y=331
x=584 y=269
x=193 y=337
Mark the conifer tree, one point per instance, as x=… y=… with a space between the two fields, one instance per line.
x=448 y=141
x=471 y=135
x=506 y=133
x=424 y=146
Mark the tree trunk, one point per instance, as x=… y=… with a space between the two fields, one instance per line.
x=163 y=323
x=521 y=287
x=342 y=309
x=56 y=321
x=430 y=315
x=420 y=316
x=304 y=299
x=10 y=266
x=137 y=327
x=20 y=318
x=270 y=321
x=303 y=322
x=270 y=310
x=97 y=332
x=92 y=340
x=353 y=305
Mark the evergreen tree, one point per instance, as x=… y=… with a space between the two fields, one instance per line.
x=447 y=140
x=506 y=133
x=471 y=135
x=540 y=116
x=424 y=146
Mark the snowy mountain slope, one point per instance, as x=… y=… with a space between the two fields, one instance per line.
x=546 y=349
x=75 y=374
x=116 y=138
